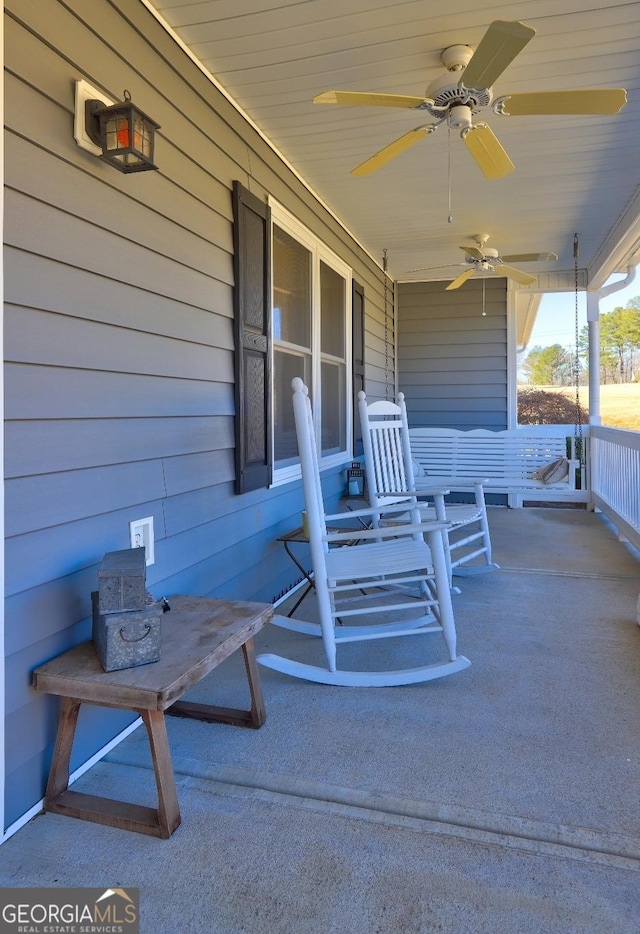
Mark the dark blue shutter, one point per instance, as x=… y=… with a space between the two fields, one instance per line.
x=252 y=326
x=357 y=345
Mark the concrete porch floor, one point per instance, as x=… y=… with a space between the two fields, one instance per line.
x=501 y=799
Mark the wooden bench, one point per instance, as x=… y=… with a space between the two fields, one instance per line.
x=197 y=635
x=506 y=461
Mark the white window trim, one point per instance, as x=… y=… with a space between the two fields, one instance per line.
x=320 y=252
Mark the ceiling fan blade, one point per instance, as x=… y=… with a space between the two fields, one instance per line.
x=483 y=145
x=442 y=266
x=462 y=278
x=604 y=102
x=530 y=257
x=361 y=98
x=472 y=251
x=498 y=47
x=522 y=277
x=394 y=149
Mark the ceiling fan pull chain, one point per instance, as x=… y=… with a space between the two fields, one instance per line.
x=484 y=298
x=450 y=218
x=578 y=425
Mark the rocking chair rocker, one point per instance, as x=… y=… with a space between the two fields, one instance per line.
x=379 y=558
x=390 y=476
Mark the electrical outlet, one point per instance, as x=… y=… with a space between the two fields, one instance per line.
x=141 y=535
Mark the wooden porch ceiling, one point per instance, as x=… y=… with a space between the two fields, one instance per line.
x=573 y=174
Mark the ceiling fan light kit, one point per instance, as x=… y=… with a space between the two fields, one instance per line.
x=460 y=117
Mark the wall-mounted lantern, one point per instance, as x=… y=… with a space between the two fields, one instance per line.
x=119 y=132
x=355 y=479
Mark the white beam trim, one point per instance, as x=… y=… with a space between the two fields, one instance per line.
x=621 y=249
x=210 y=77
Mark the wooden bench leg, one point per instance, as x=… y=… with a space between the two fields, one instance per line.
x=160 y=822
x=168 y=808
x=59 y=773
x=253 y=718
x=258 y=712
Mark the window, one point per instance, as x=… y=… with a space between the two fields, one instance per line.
x=311 y=338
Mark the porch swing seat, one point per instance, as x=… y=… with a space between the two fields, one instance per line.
x=510 y=462
x=352 y=579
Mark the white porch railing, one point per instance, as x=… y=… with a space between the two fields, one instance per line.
x=615 y=478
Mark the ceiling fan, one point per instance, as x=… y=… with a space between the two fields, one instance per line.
x=481 y=260
x=466 y=88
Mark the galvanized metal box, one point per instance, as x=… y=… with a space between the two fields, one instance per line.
x=122 y=580
x=127 y=639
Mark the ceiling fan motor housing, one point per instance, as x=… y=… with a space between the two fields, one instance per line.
x=485 y=263
x=444 y=94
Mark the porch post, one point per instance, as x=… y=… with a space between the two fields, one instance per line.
x=593 y=323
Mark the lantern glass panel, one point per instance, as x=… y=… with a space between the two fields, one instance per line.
x=143 y=136
x=117 y=132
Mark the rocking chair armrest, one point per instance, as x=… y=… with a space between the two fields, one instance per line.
x=424 y=484
x=372 y=510
x=422 y=490
x=388 y=531
x=352 y=513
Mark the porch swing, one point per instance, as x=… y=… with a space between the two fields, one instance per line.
x=573 y=461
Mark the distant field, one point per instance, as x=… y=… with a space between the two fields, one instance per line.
x=619 y=403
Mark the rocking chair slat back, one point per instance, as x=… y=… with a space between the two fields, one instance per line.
x=389 y=468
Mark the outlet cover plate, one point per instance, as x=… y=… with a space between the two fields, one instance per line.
x=141 y=534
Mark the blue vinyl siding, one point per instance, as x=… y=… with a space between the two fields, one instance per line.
x=119 y=349
x=452 y=360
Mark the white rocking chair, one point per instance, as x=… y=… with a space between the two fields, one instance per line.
x=390 y=476
x=348 y=579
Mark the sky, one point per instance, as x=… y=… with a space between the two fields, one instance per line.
x=555 y=322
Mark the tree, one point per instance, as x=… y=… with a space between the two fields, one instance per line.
x=551 y=366
x=529 y=362
x=620 y=338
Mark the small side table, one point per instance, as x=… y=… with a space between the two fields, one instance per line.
x=299 y=536
x=287 y=538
